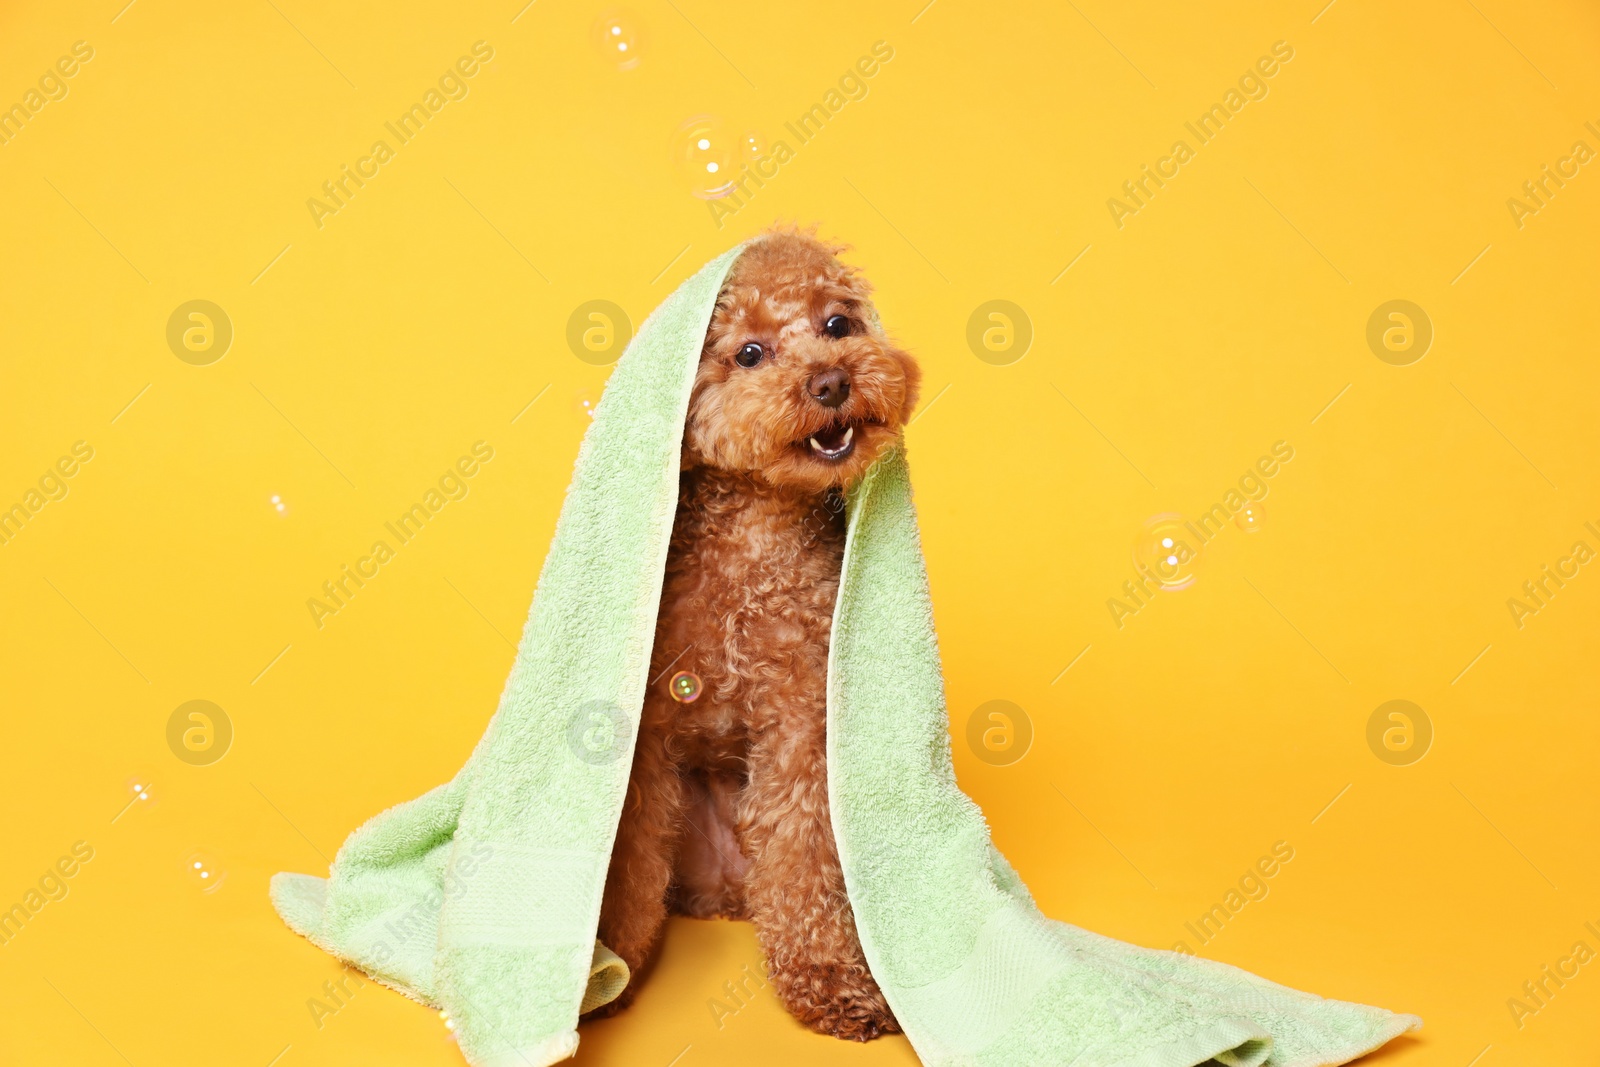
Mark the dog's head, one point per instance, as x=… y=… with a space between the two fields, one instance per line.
x=797 y=383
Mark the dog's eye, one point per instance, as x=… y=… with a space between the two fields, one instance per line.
x=837 y=326
x=749 y=355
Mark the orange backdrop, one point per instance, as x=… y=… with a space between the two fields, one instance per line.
x=1307 y=290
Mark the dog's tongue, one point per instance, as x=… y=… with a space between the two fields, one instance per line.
x=831 y=438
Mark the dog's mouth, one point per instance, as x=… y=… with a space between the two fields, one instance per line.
x=833 y=443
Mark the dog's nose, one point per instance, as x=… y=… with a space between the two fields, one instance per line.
x=830 y=388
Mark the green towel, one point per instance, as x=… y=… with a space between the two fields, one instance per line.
x=482 y=897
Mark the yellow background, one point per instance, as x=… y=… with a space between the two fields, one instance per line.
x=426 y=314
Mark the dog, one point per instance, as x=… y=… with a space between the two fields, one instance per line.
x=798 y=391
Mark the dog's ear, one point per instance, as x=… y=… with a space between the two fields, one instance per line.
x=708 y=375
x=913 y=372
x=910 y=369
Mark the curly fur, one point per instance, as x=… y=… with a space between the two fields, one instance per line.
x=727 y=805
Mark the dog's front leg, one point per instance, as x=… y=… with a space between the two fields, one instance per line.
x=794 y=889
x=634 y=907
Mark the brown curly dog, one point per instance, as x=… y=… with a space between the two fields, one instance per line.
x=797 y=393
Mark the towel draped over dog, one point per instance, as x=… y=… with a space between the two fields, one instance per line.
x=482 y=896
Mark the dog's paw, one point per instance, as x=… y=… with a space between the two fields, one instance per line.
x=839 y=1000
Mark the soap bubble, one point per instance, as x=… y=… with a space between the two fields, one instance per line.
x=752 y=146
x=706 y=156
x=1250 y=517
x=617 y=37
x=685 y=687
x=203 y=871
x=140 y=794
x=583 y=404
x=1167 y=551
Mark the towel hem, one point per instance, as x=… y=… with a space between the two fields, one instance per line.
x=1391 y=1029
x=553 y=1049
x=1200 y=1046
x=279 y=891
